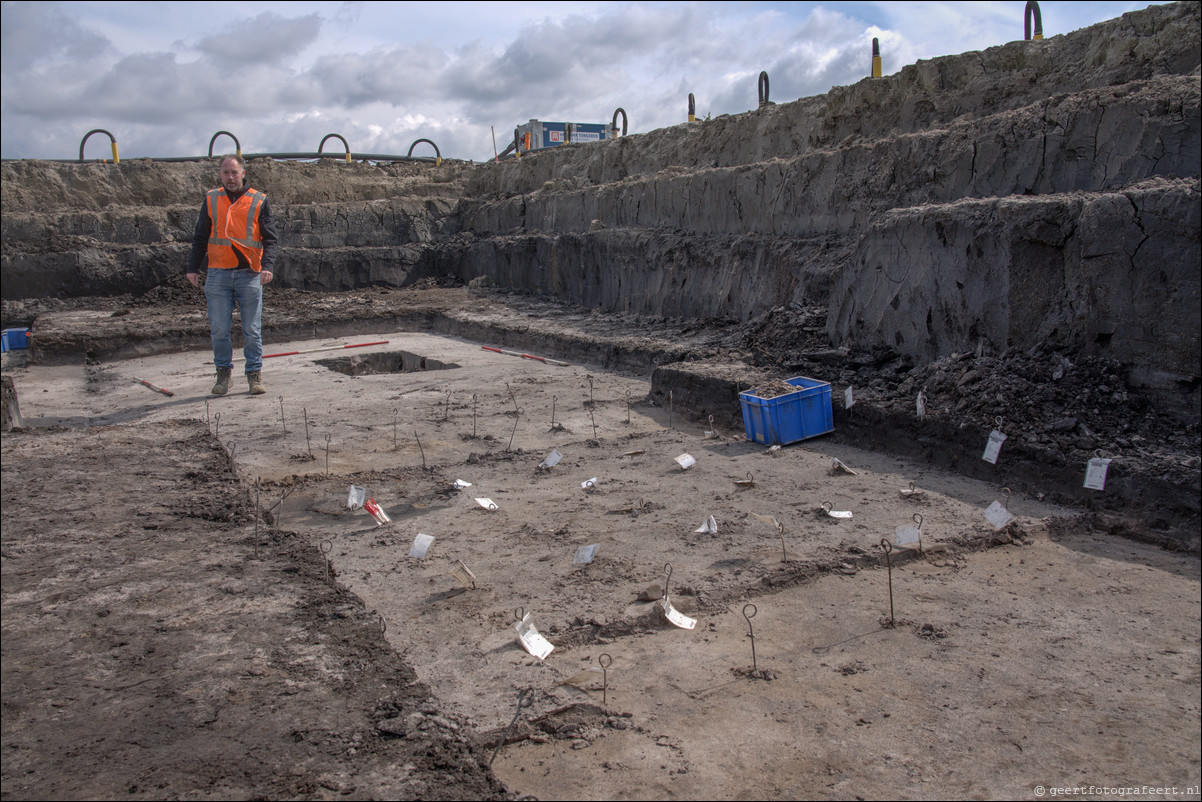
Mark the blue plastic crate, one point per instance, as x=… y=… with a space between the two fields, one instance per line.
x=790 y=417
x=14 y=338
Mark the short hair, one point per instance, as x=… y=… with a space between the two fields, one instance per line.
x=236 y=157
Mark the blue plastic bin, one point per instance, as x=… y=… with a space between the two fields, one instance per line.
x=790 y=417
x=14 y=338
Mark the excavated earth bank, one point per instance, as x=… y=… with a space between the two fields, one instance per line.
x=1013 y=234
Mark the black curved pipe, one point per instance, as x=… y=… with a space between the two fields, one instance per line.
x=876 y=57
x=437 y=153
x=692 y=108
x=614 y=125
x=237 y=144
x=763 y=87
x=1032 y=10
x=340 y=138
x=112 y=138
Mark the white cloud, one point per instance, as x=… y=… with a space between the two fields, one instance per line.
x=164 y=76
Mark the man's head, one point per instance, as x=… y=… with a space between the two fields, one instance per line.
x=233 y=172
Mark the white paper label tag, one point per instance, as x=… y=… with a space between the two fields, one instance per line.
x=710 y=527
x=839 y=513
x=675 y=617
x=1095 y=473
x=589 y=484
x=463 y=575
x=997 y=515
x=994 y=445
x=920 y=405
x=356 y=497
x=488 y=504
x=552 y=460
x=686 y=461
x=906 y=535
x=459 y=484
x=768 y=519
x=531 y=640
x=848 y=398
x=421 y=544
x=584 y=554
x=840 y=466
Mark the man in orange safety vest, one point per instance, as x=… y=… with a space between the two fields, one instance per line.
x=236 y=235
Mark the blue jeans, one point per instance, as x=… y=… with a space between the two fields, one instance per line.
x=225 y=288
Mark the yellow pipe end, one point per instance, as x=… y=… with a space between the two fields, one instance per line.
x=692 y=118
x=348 y=157
x=438 y=162
x=876 y=66
x=115 y=157
x=1038 y=36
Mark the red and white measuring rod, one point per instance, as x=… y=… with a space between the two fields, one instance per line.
x=545 y=359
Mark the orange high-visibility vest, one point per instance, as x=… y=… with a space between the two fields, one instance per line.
x=235 y=226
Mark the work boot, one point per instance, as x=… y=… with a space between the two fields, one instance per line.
x=255 y=381
x=223 y=382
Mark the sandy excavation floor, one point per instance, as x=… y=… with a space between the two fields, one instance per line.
x=1045 y=655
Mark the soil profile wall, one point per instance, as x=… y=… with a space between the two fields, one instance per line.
x=981 y=201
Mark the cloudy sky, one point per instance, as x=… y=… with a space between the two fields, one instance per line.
x=163 y=77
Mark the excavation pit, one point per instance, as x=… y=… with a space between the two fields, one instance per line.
x=384 y=363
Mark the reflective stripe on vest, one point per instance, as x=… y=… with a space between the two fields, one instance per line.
x=222 y=248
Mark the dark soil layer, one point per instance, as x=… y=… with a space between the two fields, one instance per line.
x=178 y=657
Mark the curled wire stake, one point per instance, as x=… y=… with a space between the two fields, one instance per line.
x=667 y=578
x=780 y=530
x=827 y=506
x=628 y=407
x=419 y=448
x=473 y=417
x=217 y=424
x=711 y=423
x=592 y=418
x=516 y=417
x=258 y=514
x=207 y=425
x=671 y=424
x=918 y=520
x=395 y=411
x=1006 y=497
x=888 y=547
x=554 y=400
x=605 y=661
x=751 y=632
x=525 y=699
x=233 y=451
x=383 y=624
x=282 y=421
x=519 y=613
x=590 y=390
x=512 y=398
x=326 y=547
x=327 y=455
x=308 y=443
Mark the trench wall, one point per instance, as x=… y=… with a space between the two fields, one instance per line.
x=982 y=201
